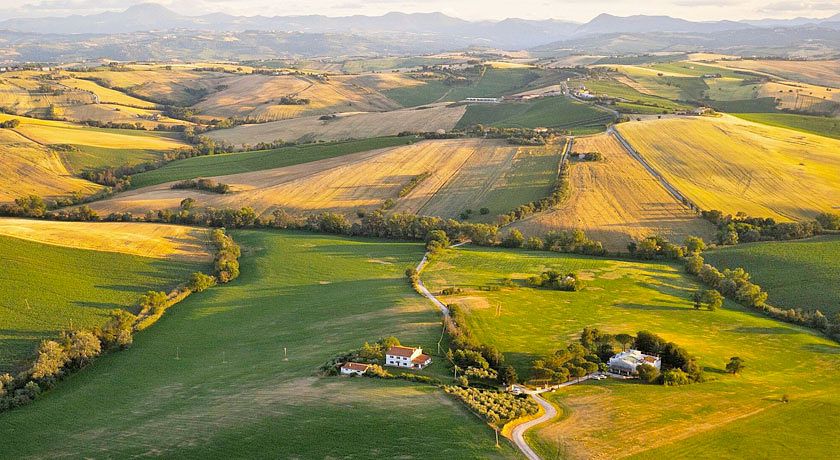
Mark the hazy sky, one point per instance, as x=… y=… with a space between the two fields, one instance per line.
x=576 y=10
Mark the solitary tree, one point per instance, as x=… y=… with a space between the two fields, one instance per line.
x=735 y=365
x=647 y=373
x=624 y=340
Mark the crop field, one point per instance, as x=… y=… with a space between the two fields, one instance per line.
x=107 y=95
x=155 y=241
x=619 y=89
x=497 y=176
x=492 y=83
x=26 y=92
x=28 y=168
x=345 y=126
x=96 y=147
x=615 y=201
x=813 y=72
x=550 y=112
x=731 y=416
x=341 y=184
x=797 y=274
x=179 y=86
x=737 y=166
x=114 y=113
x=47 y=288
x=233 y=163
x=215 y=377
x=257 y=97
x=823 y=126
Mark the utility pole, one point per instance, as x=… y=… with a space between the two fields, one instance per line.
x=177 y=352
x=285 y=355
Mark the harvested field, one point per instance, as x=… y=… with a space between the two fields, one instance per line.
x=156 y=84
x=342 y=184
x=114 y=113
x=157 y=241
x=107 y=95
x=615 y=200
x=813 y=72
x=737 y=166
x=258 y=97
x=344 y=126
x=27 y=168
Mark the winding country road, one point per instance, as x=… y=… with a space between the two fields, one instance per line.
x=519 y=432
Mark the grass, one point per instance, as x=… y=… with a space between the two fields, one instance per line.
x=620 y=90
x=230 y=392
x=726 y=416
x=756 y=105
x=736 y=166
x=823 y=126
x=47 y=288
x=796 y=274
x=232 y=163
x=493 y=83
x=552 y=112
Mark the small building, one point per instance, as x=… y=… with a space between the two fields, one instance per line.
x=626 y=362
x=701 y=110
x=484 y=100
x=349 y=368
x=410 y=357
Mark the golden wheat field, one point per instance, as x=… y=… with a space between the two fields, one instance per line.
x=826 y=72
x=142 y=239
x=344 y=126
x=27 y=93
x=786 y=92
x=156 y=83
x=344 y=184
x=47 y=132
x=149 y=119
x=106 y=95
x=27 y=168
x=384 y=81
x=258 y=97
x=615 y=201
x=737 y=166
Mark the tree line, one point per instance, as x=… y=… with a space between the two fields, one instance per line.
x=742 y=228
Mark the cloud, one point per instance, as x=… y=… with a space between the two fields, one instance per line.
x=798 y=7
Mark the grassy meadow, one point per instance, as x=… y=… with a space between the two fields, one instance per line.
x=823 y=126
x=233 y=163
x=552 y=112
x=492 y=83
x=724 y=417
x=46 y=288
x=796 y=274
x=210 y=378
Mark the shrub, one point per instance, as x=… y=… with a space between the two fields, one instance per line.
x=514 y=239
x=675 y=377
x=199 y=282
x=647 y=373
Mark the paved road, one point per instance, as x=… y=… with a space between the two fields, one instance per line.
x=519 y=431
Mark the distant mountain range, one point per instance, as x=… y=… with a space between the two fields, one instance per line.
x=151 y=31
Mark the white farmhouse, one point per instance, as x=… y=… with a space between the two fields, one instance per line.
x=626 y=362
x=407 y=357
x=349 y=368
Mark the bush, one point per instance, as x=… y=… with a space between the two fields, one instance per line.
x=675 y=377
x=514 y=239
x=226 y=262
x=647 y=373
x=494 y=406
x=199 y=282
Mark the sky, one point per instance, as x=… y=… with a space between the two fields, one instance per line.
x=574 y=10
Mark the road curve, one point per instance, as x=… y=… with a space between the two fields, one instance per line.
x=519 y=432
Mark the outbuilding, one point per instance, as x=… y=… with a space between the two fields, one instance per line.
x=349 y=368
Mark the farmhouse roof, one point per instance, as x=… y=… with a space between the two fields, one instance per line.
x=355 y=366
x=397 y=350
x=420 y=359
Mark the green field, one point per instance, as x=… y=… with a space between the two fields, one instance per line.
x=233 y=163
x=47 y=288
x=725 y=417
x=757 y=105
x=90 y=157
x=823 y=126
x=531 y=178
x=796 y=274
x=493 y=83
x=617 y=89
x=551 y=112
x=210 y=380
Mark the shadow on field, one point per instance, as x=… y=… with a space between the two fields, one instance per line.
x=631 y=306
x=822 y=348
x=777 y=330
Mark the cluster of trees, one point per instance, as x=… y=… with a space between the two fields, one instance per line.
x=10 y=124
x=494 y=406
x=226 y=262
x=744 y=229
x=589 y=156
x=207 y=185
x=678 y=366
x=559 y=194
x=467 y=352
x=71 y=351
x=573 y=361
x=552 y=279
x=736 y=285
x=291 y=100
x=710 y=299
x=656 y=248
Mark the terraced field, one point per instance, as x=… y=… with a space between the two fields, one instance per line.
x=725 y=416
x=463 y=173
x=51 y=283
x=615 y=201
x=736 y=166
x=210 y=378
x=345 y=126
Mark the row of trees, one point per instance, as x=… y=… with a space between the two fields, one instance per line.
x=208 y=185
x=745 y=229
x=678 y=366
x=558 y=195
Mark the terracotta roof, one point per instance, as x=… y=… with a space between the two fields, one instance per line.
x=400 y=351
x=355 y=366
x=421 y=359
